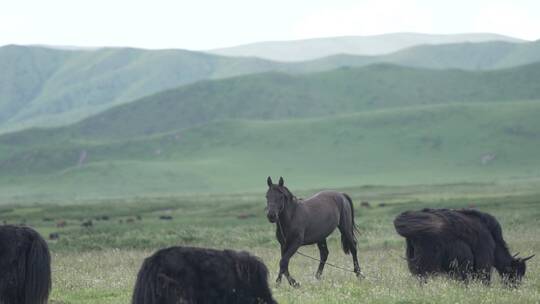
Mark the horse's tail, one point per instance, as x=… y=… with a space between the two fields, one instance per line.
x=146 y=286
x=37 y=283
x=348 y=237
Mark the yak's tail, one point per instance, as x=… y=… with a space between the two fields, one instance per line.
x=37 y=283
x=146 y=287
x=418 y=223
x=348 y=237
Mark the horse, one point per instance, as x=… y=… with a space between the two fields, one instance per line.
x=200 y=275
x=25 y=266
x=310 y=221
x=463 y=243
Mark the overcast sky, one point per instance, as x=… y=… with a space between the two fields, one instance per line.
x=205 y=24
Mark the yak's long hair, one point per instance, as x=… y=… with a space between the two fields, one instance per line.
x=198 y=275
x=464 y=242
x=25 y=266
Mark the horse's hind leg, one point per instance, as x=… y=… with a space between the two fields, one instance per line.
x=355 y=262
x=349 y=245
x=323 y=250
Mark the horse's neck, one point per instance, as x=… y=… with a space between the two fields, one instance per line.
x=288 y=213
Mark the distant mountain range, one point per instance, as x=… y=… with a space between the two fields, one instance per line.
x=309 y=49
x=51 y=87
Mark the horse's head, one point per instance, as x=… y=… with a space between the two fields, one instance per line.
x=276 y=197
x=515 y=272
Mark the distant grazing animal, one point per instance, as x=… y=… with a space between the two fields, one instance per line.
x=54 y=236
x=365 y=204
x=25 y=266
x=310 y=221
x=198 y=275
x=61 y=224
x=165 y=217
x=465 y=244
x=87 y=224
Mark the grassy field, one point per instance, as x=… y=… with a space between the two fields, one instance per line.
x=99 y=264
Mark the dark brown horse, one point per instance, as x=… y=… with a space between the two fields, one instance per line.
x=310 y=221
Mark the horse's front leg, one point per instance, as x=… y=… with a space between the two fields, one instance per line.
x=282 y=245
x=286 y=255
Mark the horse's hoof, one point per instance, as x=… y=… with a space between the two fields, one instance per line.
x=318 y=276
x=294 y=284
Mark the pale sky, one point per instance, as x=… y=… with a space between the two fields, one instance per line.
x=205 y=24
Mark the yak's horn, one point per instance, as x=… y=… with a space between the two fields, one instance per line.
x=515 y=255
x=528 y=258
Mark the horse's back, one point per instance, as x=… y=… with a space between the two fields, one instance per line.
x=325 y=197
x=322 y=213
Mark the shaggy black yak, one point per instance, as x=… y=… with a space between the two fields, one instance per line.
x=197 y=275
x=25 y=266
x=464 y=243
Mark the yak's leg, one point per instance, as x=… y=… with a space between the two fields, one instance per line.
x=483 y=263
x=284 y=263
x=323 y=250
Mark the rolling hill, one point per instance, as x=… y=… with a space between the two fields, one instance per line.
x=273 y=96
x=310 y=49
x=371 y=125
x=43 y=86
x=50 y=87
x=422 y=144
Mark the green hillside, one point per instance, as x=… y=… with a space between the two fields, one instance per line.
x=421 y=144
x=281 y=96
x=50 y=87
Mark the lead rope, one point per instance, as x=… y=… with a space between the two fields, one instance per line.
x=310 y=257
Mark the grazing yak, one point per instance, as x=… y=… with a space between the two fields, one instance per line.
x=198 y=275
x=465 y=244
x=25 y=266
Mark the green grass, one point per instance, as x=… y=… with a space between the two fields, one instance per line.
x=99 y=264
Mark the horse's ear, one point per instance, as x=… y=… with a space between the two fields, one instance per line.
x=281 y=182
x=269 y=181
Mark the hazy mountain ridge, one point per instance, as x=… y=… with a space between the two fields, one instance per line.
x=310 y=49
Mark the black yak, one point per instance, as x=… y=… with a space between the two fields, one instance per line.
x=465 y=244
x=197 y=275
x=25 y=266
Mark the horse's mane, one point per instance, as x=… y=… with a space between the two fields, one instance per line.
x=288 y=194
